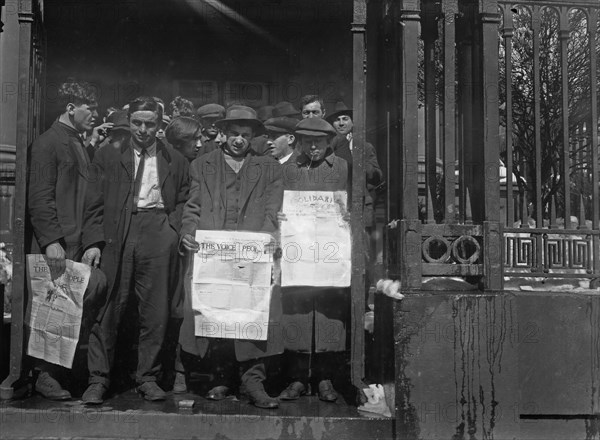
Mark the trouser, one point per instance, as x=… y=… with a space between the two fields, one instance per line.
x=301 y=367
x=93 y=298
x=220 y=359
x=148 y=270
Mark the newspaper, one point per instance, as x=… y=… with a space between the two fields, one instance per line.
x=231 y=284
x=315 y=239
x=54 y=312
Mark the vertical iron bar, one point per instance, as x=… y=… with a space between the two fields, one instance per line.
x=508 y=34
x=358 y=29
x=563 y=35
x=592 y=23
x=449 y=98
x=536 y=25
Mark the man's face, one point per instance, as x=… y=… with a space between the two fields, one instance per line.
x=210 y=130
x=238 y=139
x=143 y=125
x=343 y=124
x=279 y=144
x=314 y=147
x=190 y=147
x=312 y=110
x=83 y=116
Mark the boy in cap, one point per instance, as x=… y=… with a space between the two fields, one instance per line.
x=209 y=114
x=233 y=188
x=317 y=315
x=281 y=138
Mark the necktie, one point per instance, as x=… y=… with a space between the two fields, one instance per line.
x=137 y=184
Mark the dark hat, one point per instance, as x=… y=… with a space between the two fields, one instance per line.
x=281 y=125
x=315 y=127
x=284 y=108
x=211 y=111
x=339 y=110
x=265 y=112
x=119 y=119
x=240 y=114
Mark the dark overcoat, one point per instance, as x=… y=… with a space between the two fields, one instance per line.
x=319 y=311
x=56 y=200
x=373 y=174
x=261 y=195
x=109 y=211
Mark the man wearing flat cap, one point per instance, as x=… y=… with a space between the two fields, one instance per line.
x=233 y=188
x=318 y=315
x=211 y=138
x=281 y=138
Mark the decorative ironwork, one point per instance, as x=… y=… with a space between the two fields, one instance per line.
x=549 y=253
x=456 y=249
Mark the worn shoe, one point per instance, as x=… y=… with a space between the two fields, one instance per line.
x=151 y=391
x=94 y=395
x=259 y=397
x=179 y=386
x=293 y=391
x=218 y=393
x=326 y=391
x=49 y=387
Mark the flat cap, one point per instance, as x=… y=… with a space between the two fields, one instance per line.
x=281 y=125
x=315 y=127
x=211 y=111
x=119 y=119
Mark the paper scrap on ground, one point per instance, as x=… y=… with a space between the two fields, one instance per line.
x=54 y=312
x=231 y=284
x=315 y=239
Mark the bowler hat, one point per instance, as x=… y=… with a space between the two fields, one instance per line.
x=211 y=111
x=119 y=119
x=284 y=108
x=281 y=125
x=240 y=114
x=265 y=112
x=339 y=110
x=315 y=127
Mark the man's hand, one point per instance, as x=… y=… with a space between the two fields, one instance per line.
x=99 y=133
x=56 y=259
x=189 y=244
x=91 y=257
x=281 y=217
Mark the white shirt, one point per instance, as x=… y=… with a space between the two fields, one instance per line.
x=284 y=159
x=349 y=137
x=149 y=196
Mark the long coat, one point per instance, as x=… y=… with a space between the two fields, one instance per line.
x=261 y=195
x=373 y=174
x=58 y=181
x=109 y=211
x=319 y=311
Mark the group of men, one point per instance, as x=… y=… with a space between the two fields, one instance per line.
x=130 y=210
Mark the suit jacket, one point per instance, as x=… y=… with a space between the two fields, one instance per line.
x=109 y=210
x=341 y=147
x=261 y=195
x=58 y=181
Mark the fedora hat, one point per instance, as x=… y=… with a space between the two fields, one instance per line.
x=339 y=109
x=240 y=114
x=281 y=125
x=285 y=108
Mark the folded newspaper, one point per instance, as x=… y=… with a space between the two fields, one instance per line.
x=55 y=309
